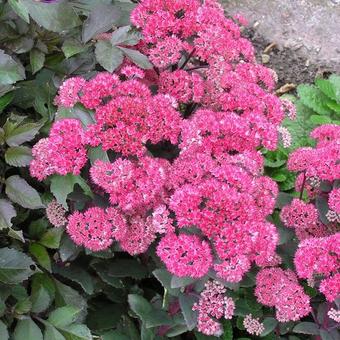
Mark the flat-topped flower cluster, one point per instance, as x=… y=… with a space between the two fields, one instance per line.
x=207 y=205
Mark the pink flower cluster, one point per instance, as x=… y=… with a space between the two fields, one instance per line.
x=253 y=325
x=320 y=257
x=56 y=214
x=279 y=288
x=62 y=152
x=321 y=162
x=213 y=305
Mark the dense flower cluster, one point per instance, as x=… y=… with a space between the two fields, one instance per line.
x=253 y=325
x=213 y=305
x=62 y=152
x=279 y=288
x=334 y=315
x=56 y=214
x=320 y=257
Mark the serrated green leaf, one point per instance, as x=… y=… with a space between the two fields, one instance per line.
x=326 y=87
x=15 y=135
x=57 y=17
x=138 y=58
x=7 y=212
x=139 y=305
x=335 y=80
x=319 y=120
x=61 y=186
x=18 y=156
x=15 y=266
x=97 y=153
x=108 y=56
x=37 y=60
x=41 y=255
x=313 y=98
x=102 y=17
x=10 y=70
x=63 y=316
x=307 y=328
x=27 y=329
x=51 y=238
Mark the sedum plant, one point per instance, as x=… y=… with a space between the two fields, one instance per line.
x=149 y=212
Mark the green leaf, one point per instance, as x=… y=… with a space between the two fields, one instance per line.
x=7 y=212
x=3 y=331
x=127 y=268
x=23 y=306
x=41 y=300
x=76 y=332
x=66 y=295
x=186 y=303
x=178 y=282
x=51 y=238
x=19 y=8
x=41 y=255
x=27 y=329
x=68 y=249
x=78 y=275
x=139 y=305
x=326 y=87
x=18 y=156
x=5 y=100
x=125 y=36
x=71 y=47
x=52 y=333
x=108 y=56
x=37 y=60
x=10 y=70
x=101 y=19
x=20 y=192
x=63 y=316
x=138 y=58
x=57 y=17
x=61 y=186
x=313 y=98
x=114 y=335
x=164 y=277
x=319 y=120
x=85 y=116
x=18 y=134
x=105 y=316
x=228 y=330
x=321 y=204
x=15 y=266
x=269 y=325
x=307 y=328
x=97 y=153
x=335 y=80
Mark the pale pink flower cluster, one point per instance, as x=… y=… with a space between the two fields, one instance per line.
x=56 y=214
x=334 y=200
x=280 y=288
x=320 y=257
x=334 y=314
x=252 y=325
x=213 y=305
